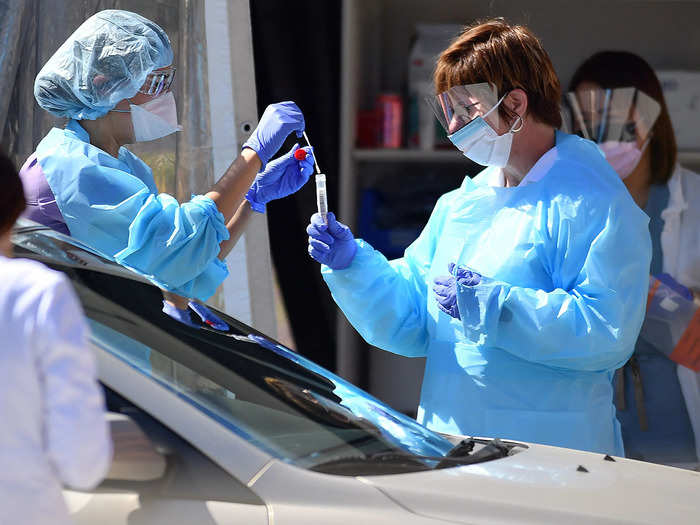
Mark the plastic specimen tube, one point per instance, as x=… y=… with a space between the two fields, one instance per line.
x=321 y=197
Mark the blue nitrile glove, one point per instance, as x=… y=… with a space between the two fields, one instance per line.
x=182 y=316
x=264 y=342
x=332 y=244
x=675 y=285
x=208 y=317
x=275 y=125
x=445 y=287
x=282 y=177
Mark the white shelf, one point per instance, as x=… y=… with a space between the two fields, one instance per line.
x=691 y=157
x=408 y=155
x=416 y=155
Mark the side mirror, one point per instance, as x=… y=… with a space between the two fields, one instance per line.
x=135 y=457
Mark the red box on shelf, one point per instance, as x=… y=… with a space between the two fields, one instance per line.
x=390 y=114
x=367 y=129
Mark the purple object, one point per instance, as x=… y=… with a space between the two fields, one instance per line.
x=464 y=276
x=208 y=317
x=182 y=316
x=445 y=288
x=446 y=295
x=675 y=286
x=41 y=202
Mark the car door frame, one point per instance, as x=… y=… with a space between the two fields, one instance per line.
x=238 y=458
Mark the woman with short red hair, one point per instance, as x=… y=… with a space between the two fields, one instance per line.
x=526 y=289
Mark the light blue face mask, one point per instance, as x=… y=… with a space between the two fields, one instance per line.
x=479 y=142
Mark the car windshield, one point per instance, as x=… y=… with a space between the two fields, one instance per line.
x=275 y=398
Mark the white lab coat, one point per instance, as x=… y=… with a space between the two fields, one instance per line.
x=52 y=424
x=680 y=245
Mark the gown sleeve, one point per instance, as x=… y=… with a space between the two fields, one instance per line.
x=591 y=319
x=386 y=301
x=119 y=215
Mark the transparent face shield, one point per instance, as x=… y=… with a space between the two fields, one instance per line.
x=460 y=105
x=611 y=115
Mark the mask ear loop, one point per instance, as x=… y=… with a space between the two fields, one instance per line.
x=513 y=129
x=494 y=107
x=124 y=110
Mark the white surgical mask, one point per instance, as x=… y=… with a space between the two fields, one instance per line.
x=155 y=119
x=622 y=156
x=479 y=142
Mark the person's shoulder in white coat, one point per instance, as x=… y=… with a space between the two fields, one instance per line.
x=680 y=241
x=54 y=431
x=680 y=237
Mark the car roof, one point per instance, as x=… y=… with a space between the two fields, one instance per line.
x=64 y=253
x=36 y=241
x=78 y=261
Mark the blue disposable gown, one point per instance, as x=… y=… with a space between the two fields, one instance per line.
x=113 y=206
x=565 y=261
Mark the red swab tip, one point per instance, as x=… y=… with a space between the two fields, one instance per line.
x=300 y=154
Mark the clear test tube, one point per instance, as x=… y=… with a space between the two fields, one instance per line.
x=321 y=197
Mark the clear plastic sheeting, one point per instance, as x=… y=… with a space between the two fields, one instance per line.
x=459 y=105
x=611 y=115
x=11 y=14
x=32 y=30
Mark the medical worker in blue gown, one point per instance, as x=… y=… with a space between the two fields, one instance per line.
x=658 y=391
x=527 y=287
x=112 y=79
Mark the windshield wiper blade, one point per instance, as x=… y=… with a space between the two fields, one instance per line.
x=463 y=448
x=494 y=449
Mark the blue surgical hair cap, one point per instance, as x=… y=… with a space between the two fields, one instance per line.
x=107 y=59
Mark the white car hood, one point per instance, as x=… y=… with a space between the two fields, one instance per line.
x=543 y=485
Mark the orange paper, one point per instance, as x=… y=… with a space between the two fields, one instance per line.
x=687 y=351
x=652 y=292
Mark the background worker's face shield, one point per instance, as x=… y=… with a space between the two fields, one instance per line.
x=459 y=105
x=611 y=115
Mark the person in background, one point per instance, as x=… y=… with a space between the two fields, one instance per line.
x=659 y=400
x=112 y=79
x=525 y=290
x=53 y=427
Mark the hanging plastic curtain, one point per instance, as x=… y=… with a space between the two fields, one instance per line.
x=11 y=14
x=32 y=30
